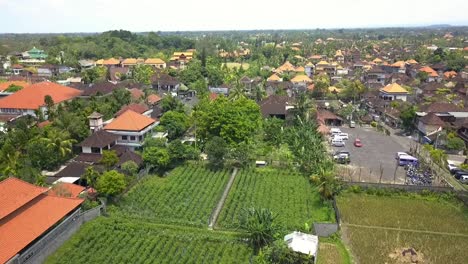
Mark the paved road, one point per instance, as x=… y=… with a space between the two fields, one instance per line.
x=378 y=152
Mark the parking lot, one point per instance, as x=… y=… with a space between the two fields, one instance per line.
x=373 y=161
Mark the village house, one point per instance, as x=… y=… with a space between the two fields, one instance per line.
x=276 y=106
x=132 y=128
x=393 y=92
x=156 y=63
x=375 y=75
x=31 y=98
x=165 y=82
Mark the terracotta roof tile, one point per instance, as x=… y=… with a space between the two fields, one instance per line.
x=153 y=98
x=130 y=121
x=32 y=97
x=394 y=88
x=138 y=108
x=154 y=61
x=25 y=225
x=15 y=193
x=301 y=78
x=5 y=85
x=65 y=189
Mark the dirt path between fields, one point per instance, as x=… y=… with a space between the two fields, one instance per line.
x=407 y=230
x=219 y=206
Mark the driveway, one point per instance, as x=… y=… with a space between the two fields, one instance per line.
x=375 y=159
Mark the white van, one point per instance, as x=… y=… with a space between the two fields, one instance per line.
x=337 y=142
x=352 y=124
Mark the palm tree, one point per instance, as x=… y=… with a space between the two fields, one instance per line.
x=325 y=180
x=11 y=165
x=260 y=224
x=303 y=107
x=259 y=91
x=59 y=141
x=238 y=91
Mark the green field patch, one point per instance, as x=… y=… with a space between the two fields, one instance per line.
x=232 y=65
x=285 y=193
x=186 y=196
x=117 y=240
x=403 y=212
x=378 y=229
x=378 y=246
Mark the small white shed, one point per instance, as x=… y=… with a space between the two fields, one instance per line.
x=303 y=243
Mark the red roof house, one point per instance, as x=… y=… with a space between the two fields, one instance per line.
x=32 y=97
x=26 y=213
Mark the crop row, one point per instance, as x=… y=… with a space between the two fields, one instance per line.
x=187 y=196
x=113 y=240
x=288 y=194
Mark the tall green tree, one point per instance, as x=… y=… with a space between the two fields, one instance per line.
x=111 y=183
x=109 y=158
x=176 y=123
x=142 y=74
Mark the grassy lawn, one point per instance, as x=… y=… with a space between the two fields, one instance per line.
x=237 y=65
x=117 y=240
x=378 y=237
x=287 y=194
x=186 y=196
x=332 y=251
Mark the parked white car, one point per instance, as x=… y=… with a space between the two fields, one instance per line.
x=343 y=136
x=338 y=142
x=451 y=165
x=398 y=154
x=335 y=131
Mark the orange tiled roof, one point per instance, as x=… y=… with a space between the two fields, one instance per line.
x=300 y=69
x=429 y=71
x=32 y=97
x=130 y=121
x=15 y=193
x=394 y=88
x=399 y=64
x=412 y=61
x=153 y=98
x=138 y=108
x=274 y=78
x=450 y=74
x=129 y=61
x=65 y=189
x=111 y=61
x=154 y=61
x=5 y=85
x=29 y=222
x=287 y=66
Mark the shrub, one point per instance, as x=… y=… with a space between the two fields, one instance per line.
x=373 y=124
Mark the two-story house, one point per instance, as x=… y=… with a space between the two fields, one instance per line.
x=393 y=92
x=132 y=128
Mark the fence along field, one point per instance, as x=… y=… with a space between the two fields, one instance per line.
x=287 y=194
x=186 y=196
x=436 y=229
x=113 y=240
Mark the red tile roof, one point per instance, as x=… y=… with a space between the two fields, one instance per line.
x=153 y=98
x=130 y=121
x=139 y=108
x=136 y=93
x=32 y=97
x=65 y=189
x=5 y=85
x=15 y=193
x=25 y=225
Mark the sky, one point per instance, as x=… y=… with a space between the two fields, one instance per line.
x=63 y=16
